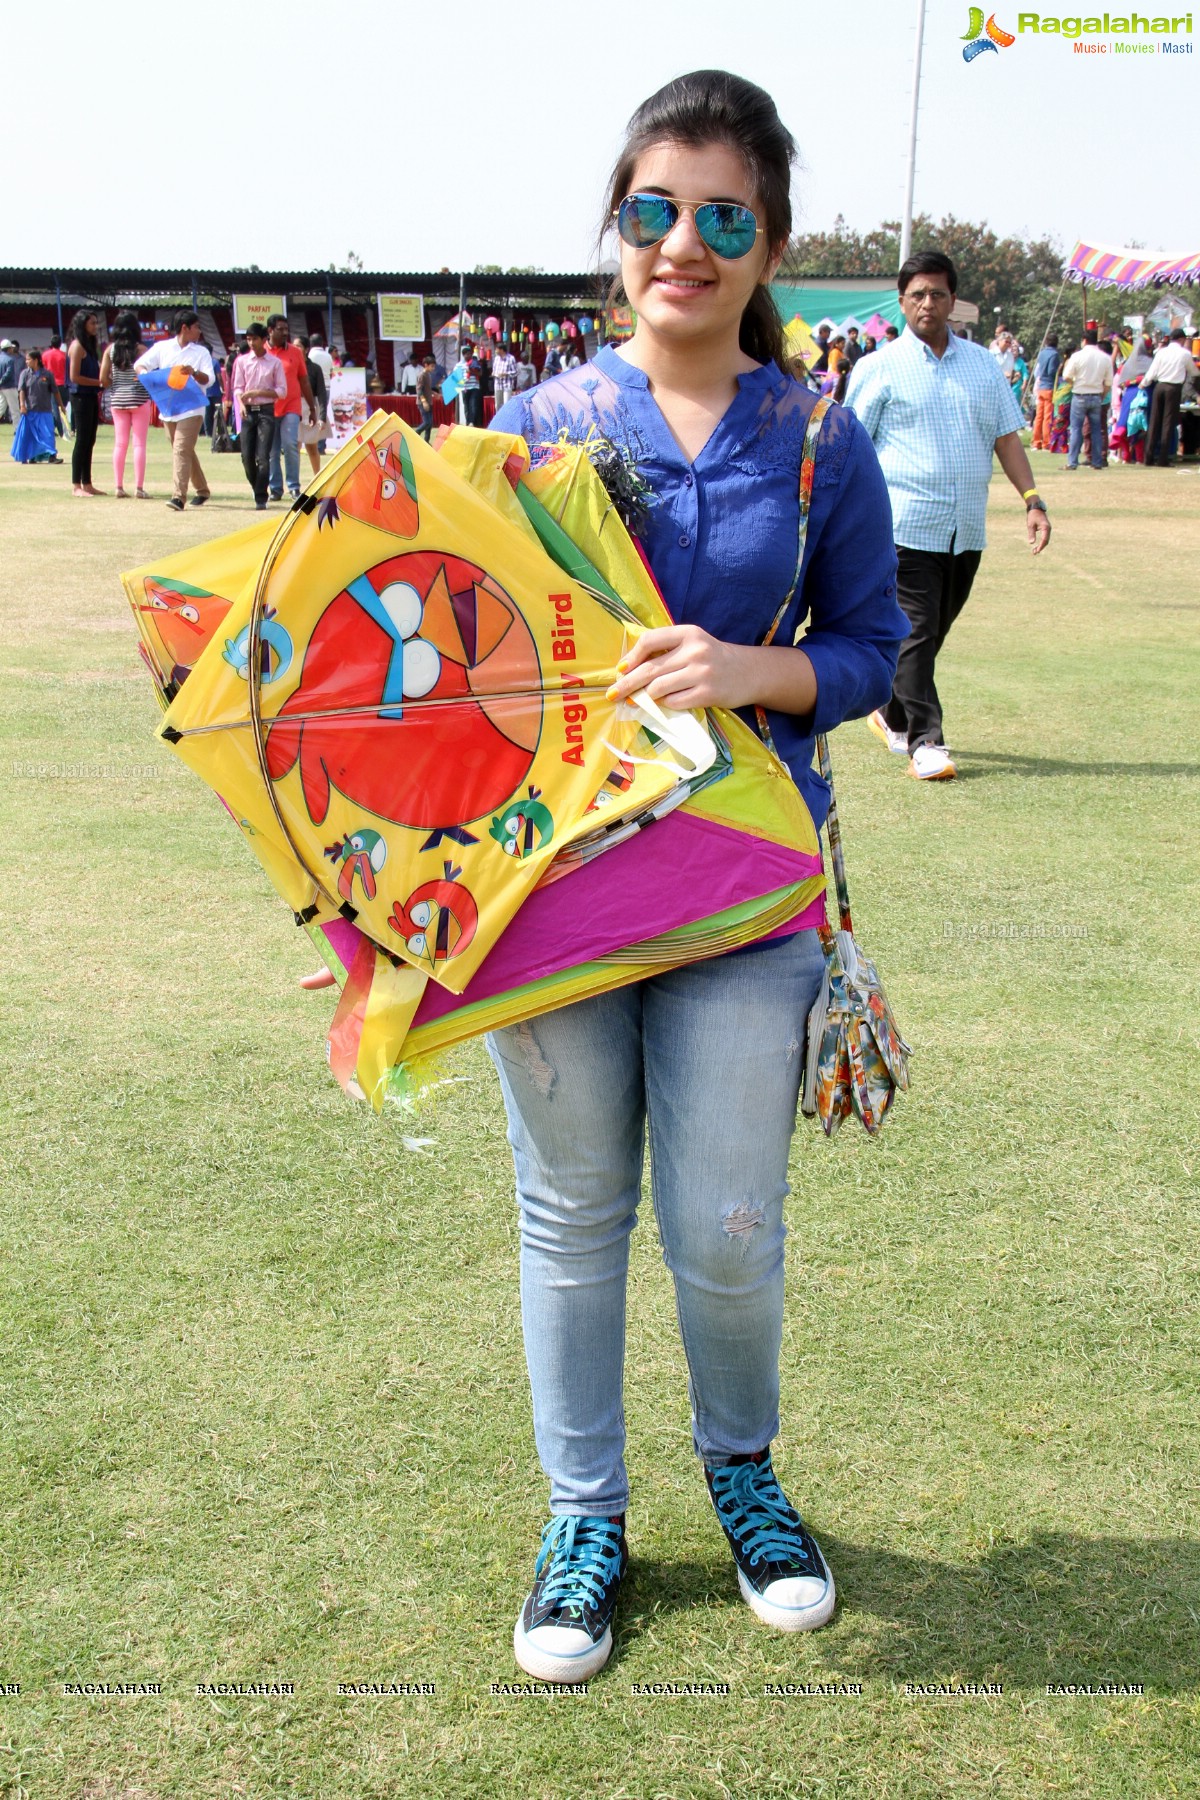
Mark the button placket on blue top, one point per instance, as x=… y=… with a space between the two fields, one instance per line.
x=678 y=484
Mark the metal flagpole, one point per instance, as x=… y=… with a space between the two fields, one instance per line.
x=906 y=222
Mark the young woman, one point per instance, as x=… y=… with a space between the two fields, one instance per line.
x=83 y=375
x=705 y=1060
x=33 y=439
x=131 y=404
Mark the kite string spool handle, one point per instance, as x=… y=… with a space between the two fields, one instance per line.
x=683 y=731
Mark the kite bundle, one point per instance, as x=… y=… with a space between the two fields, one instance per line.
x=400 y=693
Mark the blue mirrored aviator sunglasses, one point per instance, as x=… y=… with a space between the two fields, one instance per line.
x=729 y=230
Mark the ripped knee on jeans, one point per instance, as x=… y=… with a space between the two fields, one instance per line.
x=542 y=1073
x=739 y=1220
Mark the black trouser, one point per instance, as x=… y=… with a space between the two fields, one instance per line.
x=932 y=586
x=86 y=404
x=255 y=440
x=425 y=428
x=1164 y=416
x=473 y=406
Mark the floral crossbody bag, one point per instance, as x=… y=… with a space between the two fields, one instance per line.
x=856 y=1059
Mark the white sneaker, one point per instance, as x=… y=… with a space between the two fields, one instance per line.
x=564 y=1632
x=931 y=762
x=896 y=741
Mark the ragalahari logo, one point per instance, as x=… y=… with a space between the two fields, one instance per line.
x=980 y=37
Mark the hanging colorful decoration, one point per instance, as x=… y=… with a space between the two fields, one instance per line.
x=619 y=322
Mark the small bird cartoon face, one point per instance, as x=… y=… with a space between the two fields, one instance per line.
x=183 y=622
x=362 y=853
x=274 y=652
x=524 y=826
x=438 y=920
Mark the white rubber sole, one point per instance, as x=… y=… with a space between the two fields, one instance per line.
x=878 y=729
x=547 y=1663
x=949 y=773
x=791 y=1618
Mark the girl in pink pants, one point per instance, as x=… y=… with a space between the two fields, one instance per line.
x=131 y=404
x=131 y=422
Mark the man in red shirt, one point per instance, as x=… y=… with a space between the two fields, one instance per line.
x=54 y=361
x=285 y=450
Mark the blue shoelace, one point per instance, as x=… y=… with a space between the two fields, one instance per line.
x=756 y=1510
x=582 y=1557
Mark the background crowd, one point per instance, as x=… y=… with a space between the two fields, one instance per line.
x=1119 y=399
x=1111 y=397
x=56 y=394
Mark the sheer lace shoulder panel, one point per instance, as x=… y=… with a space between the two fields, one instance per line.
x=775 y=440
x=577 y=404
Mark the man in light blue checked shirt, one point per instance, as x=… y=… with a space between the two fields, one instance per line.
x=936 y=408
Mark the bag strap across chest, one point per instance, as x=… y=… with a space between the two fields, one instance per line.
x=832 y=828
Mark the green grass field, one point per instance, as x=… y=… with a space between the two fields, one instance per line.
x=264 y=1406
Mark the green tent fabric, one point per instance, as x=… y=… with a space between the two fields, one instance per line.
x=818 y=301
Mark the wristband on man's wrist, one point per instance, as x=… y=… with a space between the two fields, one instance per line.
x=1036 y=504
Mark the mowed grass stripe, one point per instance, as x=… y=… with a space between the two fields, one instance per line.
x=264 y=1398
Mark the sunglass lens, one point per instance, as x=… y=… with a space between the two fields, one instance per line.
x=643 y=219
x=728 y=230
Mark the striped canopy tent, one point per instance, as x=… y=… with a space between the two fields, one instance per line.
x=1101 y=265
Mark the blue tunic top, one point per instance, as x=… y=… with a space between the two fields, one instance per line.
x=723 y=531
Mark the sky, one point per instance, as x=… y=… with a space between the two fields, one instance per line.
x=418 y=143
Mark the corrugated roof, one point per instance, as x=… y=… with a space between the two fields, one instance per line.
x=583 y=288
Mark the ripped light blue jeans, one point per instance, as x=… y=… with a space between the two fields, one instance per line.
x=706 y=1061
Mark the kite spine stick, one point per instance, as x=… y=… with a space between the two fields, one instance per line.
x=586 y=689
x=254 y=696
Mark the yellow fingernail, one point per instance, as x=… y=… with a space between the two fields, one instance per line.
x=623 y=666
x=611 y=693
